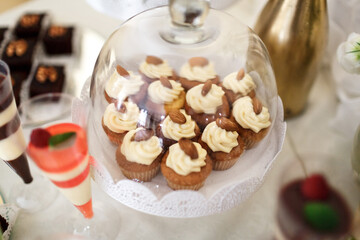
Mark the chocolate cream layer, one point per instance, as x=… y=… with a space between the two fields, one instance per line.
x=12 y=141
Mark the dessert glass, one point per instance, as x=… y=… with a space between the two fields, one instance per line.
x=68 y=168
x=53 y=111
x=212 y=35
x=27 y=196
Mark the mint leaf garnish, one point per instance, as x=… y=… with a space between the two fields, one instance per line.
x=59 y=138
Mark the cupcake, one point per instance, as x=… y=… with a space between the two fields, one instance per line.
x=125 y=86
x=118 y=119
x=196 y=71
x=175 y=126
x=253 y=120
x=223 y=143
x=205 y=103
x=164 y=95
x=139 y=155
x=186 y=165
x=153 y=68
x=238 y=84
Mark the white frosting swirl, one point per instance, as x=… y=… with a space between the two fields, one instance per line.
x=198 y=73
x=155 y=71
x=348 y=54
x=160 y=94
x=120 y=87
x=205 y=104
x=218 y=139
x=143 y=152
x=244 y=114
x=121 y=122
x=175 y=131
x=243 y=86
x=181 y=163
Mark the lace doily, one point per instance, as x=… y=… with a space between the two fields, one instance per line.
x=222 y=190
x=9 y=212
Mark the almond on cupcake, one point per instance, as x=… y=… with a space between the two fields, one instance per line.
x=125 y=86
x=238 y=84
x=205 y=103
x=139 y=155
x=197 y=70
x=186 y=165
x=222 y=142
x=175 y=126
x=252 y=118
x=164 y=95
x=154 y=67
x=118 y=119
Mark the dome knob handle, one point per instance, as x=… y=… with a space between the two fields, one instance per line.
x=189 y=13
x=187 y=22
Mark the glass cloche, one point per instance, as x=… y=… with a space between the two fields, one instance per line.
x=184 y=116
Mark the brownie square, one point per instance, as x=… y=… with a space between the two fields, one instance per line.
x=58 y=40
x=29 y=25
x=19 y=54
x=17 y=79
x=47 y=79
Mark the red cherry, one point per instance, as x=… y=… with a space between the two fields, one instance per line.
x=315 y=187
x=40 y=137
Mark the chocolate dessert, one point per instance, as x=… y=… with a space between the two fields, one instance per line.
x=12 y=142
x=58 y=40
x=29 y=25
x=310 y=209
x=19 y=54
x=47 y=79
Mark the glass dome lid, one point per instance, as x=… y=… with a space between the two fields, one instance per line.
x=195 y=64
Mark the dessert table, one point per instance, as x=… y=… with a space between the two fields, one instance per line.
x=312 y=132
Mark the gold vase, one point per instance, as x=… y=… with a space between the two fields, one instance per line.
x=295 y=33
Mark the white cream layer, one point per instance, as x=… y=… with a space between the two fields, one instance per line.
x=142 y=152
x=218 y=139
x=72 y=173
x=80 y=194
x=156 y=71
x=243 y=112
x=205 y=104
x=198 y=73
x=181 y=163
x=160 y=94
x=8 y=113
x=175 y=131
x=243 y=86
x=119 y=87
x=13 y=146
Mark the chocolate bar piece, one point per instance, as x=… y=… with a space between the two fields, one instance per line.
x=58 y=40
x=29 y=25
x=47 y=79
